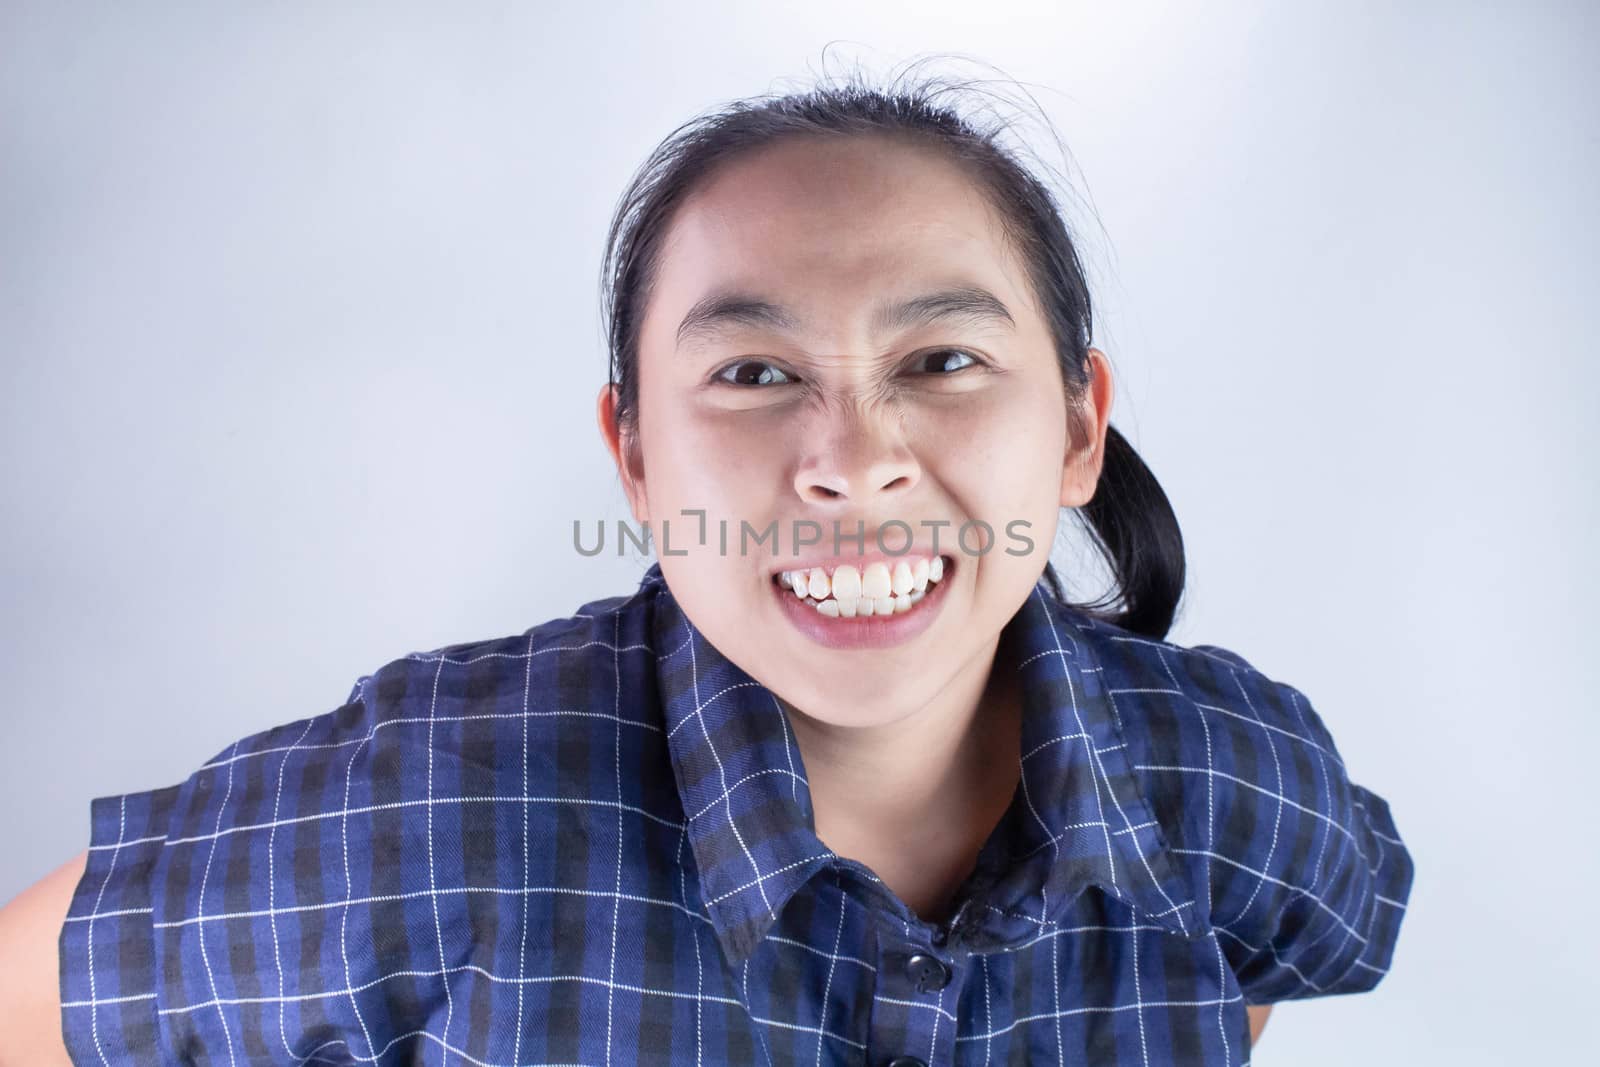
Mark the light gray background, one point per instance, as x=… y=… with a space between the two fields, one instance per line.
x=300 y=341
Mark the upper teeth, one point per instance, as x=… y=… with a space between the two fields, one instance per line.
x=876 y=590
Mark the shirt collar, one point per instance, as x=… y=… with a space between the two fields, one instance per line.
x=1079 y=817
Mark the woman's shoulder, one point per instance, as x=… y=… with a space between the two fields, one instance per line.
x=442 y=697
x=1206 y=725
x=571 y=660
x=324 y=818
x=1174 y=694
x=1302 y=870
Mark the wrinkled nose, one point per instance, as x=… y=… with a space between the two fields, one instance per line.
x=856 y=457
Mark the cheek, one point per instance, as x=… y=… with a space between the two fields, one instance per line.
x=726 y=463
x=1009 y=463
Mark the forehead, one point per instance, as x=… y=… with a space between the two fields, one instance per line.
x=830 y=227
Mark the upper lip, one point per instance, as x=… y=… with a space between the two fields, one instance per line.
x=859 y=561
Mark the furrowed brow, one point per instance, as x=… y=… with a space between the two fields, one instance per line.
x=721 y=312
x=971 y=304
x=726 y=311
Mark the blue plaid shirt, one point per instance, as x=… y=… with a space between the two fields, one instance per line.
x=593 y=843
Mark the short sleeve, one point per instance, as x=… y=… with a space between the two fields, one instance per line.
x=107 y=944
x=183 y=916
x=1308 y=878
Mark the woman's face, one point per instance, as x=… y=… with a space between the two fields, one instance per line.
x=824 y=407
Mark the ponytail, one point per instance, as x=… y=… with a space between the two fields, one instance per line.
x=1135 y=530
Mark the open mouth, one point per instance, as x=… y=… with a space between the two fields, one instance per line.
x=880 y=589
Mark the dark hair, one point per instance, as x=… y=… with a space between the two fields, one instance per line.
x=1129 y=518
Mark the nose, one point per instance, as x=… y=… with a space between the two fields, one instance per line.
x=857 y=456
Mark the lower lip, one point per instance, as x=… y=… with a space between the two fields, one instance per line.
x=875 y=631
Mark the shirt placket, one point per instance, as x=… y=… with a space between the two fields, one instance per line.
x=920 y=975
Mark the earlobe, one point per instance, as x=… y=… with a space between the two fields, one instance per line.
x=1080 y=476
x=623 y=451
x=1072 y=466
x=605 y=417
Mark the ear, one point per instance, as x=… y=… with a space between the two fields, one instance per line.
x=1086 y=434
x=624 y=449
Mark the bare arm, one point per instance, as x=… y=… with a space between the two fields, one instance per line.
x=30 y=969
x=1258 y=1020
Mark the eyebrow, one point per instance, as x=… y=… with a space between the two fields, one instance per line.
x=723 y=311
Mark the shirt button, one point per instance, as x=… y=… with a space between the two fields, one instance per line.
x=906 y=1061
x=927 y=973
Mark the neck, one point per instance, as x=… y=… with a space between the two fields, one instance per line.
x=932 y=782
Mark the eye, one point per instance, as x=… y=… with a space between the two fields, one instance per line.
x=752 y=372
x=946 y=361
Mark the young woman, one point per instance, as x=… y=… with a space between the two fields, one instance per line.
x=847 y=779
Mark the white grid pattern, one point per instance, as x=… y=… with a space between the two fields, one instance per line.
x=1141 y=860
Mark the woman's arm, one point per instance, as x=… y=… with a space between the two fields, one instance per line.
x=30 y=968
x=1258 y=1020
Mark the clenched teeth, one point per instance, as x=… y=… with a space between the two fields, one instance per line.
x=877 y=590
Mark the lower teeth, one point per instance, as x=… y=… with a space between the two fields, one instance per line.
x=897 y=605
x=893 y=604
